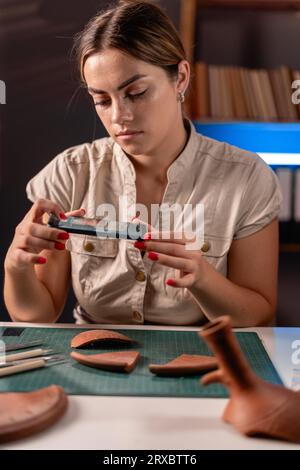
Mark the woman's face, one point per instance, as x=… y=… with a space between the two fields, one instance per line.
x=135 y=98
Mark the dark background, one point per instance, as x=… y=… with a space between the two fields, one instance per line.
x=47 y=110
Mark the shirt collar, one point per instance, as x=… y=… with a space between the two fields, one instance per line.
x=182 y=163
x=185 y=159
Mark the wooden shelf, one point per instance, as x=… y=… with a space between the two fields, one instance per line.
x=271 y=137
x=250 y=4
x=188 y=13
x=188 y=18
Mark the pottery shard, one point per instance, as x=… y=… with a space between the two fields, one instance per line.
x=186 y=364
x=23 y=414
x=91 y=337
x=119 y=361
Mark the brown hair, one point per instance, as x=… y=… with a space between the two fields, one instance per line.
x=138 y=28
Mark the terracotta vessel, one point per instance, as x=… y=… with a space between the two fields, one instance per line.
x=23 y=414
x=255 y=408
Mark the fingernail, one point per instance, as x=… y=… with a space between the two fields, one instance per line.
x=62 y=216
x=140 y=245
x=59 y=246
x=82 y=211
x=63 y=236
x=170 y=282
x=147 y=236
x=41 y=260
x=153 y=256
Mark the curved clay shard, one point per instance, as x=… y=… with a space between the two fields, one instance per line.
x=92 y=337
x=255 y=408
x=186 y=364
x=23 y=414
x=119 y=361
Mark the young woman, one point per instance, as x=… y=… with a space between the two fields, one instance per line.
x=134 y=67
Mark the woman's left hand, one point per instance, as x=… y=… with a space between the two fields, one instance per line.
x=175 y=252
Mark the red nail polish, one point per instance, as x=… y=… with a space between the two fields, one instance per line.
x=170 y=282
x=153 y=256
x=59 y=246
x=41 y=260
x=140 y=245
x=63 y=216
x=63 y=236
x=147 y=236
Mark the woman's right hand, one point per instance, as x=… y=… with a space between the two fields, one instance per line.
x=32 y=236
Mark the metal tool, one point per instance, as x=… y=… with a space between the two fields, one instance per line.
x=28 y=344
x=31 y=364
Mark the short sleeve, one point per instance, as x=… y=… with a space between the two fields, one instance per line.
x=261 y=200
x=53 y=182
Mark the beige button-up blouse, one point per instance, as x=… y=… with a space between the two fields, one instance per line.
x=113 y=283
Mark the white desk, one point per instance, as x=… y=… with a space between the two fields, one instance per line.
x=104 y=422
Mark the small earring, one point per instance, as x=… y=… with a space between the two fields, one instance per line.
x=181 y=96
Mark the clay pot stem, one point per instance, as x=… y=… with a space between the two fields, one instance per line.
x=234 y=370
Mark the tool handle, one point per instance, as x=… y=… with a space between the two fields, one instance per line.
x=24 y=355
x=29 y=365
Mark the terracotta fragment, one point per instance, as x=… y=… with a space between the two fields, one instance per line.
x=255 y=408
x=119 y=361
x=186 y=364
x=23 y=414
x=94 y=337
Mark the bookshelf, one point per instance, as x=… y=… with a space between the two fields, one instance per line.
x=277 y=141
x=231 y=91
x=188 y=14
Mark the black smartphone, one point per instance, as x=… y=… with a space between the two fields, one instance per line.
x=99 y=227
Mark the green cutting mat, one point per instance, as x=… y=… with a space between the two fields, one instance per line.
x=155 y=346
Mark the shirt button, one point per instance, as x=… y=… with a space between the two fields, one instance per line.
x=205 y=247
x=89 y=247
x=137 y=315
x=140 y=276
